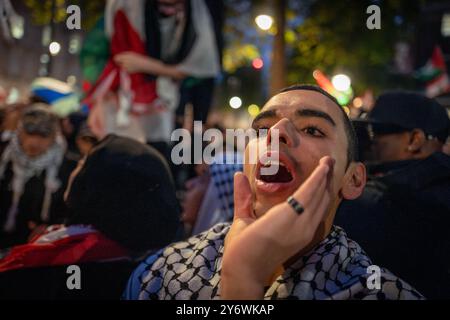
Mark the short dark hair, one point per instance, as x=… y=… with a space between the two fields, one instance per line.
x=352 y=151
x=39 y=120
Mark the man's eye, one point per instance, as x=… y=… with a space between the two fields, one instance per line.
x=313 y=131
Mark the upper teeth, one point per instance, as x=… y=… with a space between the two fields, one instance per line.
x=274 y=163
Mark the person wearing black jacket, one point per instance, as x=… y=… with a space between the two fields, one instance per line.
x=402 y=217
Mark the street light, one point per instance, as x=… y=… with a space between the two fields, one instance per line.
x=264 y=22
x=54 y=48
x=341 y=82
x=235 y=102
x=253 y=110
x=258 y=63
x=17 y=27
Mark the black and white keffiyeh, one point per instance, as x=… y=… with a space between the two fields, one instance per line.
x=222 y=175
x=24 y=168
x=218 y=203
x=336 y=269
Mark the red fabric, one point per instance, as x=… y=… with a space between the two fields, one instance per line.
x=438 y=58
x=441 y=83
x=75 y=249
x=125 y=38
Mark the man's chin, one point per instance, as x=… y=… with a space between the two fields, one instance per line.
x=268 y=195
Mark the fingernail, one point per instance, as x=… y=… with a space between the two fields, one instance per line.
x=238 y=177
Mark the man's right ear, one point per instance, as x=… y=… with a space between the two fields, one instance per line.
x=354 y=181
x=416 y=141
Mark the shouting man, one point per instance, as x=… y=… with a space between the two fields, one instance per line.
x=282 y=243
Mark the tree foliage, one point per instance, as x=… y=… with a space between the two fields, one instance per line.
x=331 y=36
x=41 y=11
x=334 y=38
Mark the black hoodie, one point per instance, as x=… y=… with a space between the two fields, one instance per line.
x=126 y=191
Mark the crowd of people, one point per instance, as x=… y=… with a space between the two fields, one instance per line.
x=98 y=189
x=310 y=231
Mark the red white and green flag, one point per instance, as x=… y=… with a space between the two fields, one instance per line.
x=434 y=73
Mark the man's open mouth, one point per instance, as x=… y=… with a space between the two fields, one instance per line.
x=282 y=175
x=275 y=175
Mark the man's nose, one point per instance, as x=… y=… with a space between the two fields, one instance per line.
x=283 y=129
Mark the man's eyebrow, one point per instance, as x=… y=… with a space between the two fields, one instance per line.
x=264 y=115
x=316 y=114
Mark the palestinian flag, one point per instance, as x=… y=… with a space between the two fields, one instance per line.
x=124 y=27
x=434 y=73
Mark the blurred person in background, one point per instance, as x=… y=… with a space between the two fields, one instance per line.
x=446 y=147
x=122 y=204
x=199 y=91
x=444 y=100
x=154 y=45
x=402 y=216
x=85 y=140
x=9 y=118
x=61 y=99
x=209 y=196
x=70 y=127
x=33 y=175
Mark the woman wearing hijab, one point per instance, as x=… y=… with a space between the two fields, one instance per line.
x=122 y=204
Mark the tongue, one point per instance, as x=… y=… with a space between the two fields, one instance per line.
x=281 y=176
